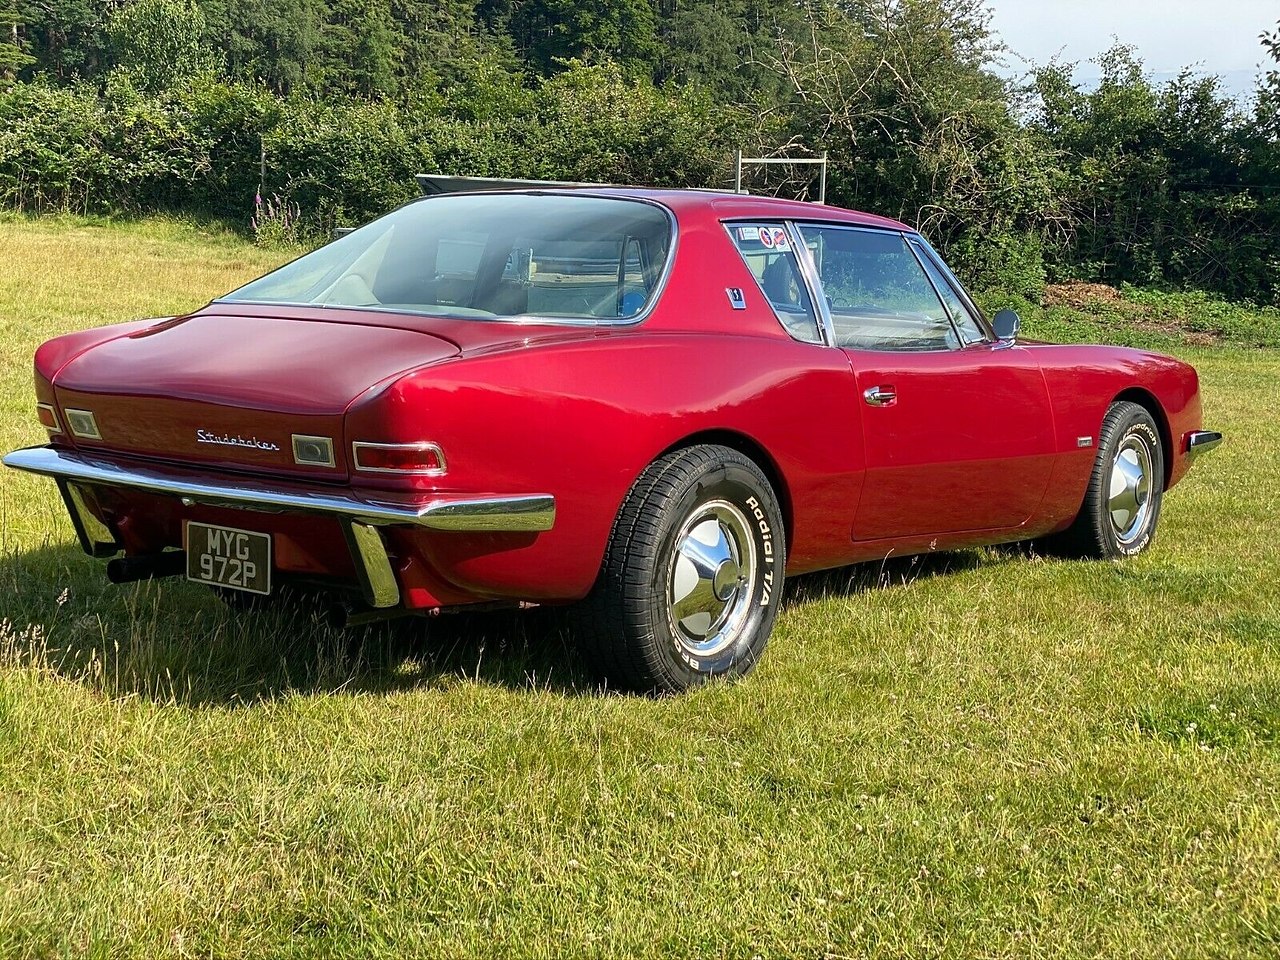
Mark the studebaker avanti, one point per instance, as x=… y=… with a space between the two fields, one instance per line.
x=652 y=404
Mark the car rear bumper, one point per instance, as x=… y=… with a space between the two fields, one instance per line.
x=360 y=518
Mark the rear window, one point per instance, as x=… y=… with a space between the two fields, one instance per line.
x=488 y=257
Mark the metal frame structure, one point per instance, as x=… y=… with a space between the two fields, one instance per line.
x=797 y=161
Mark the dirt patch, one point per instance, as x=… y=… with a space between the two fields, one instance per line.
x=1093 y=297
x=1082 y=296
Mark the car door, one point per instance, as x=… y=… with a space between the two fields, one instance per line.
x=958 y=427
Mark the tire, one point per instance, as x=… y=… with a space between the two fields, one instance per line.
x=692 y=576
x=1122 y=503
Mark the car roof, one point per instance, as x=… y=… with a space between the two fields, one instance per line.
x=724 y=205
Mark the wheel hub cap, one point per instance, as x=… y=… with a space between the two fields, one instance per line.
x=711 y=578
x=1129 y=500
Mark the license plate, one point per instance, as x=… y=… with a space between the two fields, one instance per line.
x=227 y=557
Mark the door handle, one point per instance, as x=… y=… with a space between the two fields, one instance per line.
x=880 y=396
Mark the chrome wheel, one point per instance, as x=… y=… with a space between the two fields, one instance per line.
x=1129 y=498
x=711 y=579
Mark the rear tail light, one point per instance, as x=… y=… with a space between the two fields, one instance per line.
x=48 y=417
x=426 y=459
x=83 y=424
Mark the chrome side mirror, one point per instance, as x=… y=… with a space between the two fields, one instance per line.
x=1006 y=324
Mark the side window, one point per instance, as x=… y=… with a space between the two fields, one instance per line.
x=879 y=296
x=767 y=252
x=966 y=323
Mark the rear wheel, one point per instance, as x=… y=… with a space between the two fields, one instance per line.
x=692 y=576
x=1122 y=504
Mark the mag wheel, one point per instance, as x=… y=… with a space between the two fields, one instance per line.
x=692 y=577
x=1122 y=504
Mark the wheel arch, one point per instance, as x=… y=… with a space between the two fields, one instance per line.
x=754 y=451
x=1148 y=401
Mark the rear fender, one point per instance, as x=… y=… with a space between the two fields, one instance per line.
x=581 y=421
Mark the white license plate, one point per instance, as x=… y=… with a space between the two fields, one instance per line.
x=227 y=557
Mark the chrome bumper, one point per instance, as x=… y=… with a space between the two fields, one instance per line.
x=1202 y=441
x=73 y=470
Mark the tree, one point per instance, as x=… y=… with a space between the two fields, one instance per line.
x=159 y=43
x=68 y=38
x=552 y=32
x=274 y=42
x=357 y=54
x=916 y=128
x=12 y=57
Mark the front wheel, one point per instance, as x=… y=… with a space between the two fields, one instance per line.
x=692 y=578
x=1122 y=504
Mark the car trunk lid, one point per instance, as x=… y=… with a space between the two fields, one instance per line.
x=232 y=391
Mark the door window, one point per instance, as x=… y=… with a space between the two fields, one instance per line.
x=966 y=323
x=766 y=250
x=877 y=292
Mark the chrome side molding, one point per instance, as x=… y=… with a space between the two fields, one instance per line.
x=518 y=513
x=1202 y=441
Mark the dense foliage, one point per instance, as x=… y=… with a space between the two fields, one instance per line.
x=333 y=105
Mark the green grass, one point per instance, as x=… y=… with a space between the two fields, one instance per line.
x=977 y=754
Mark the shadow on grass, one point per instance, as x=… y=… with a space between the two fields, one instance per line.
x=896 y=572
x=172 y=641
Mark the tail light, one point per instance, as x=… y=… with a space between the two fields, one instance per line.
x=83 y=424
x=312 y=451
x=425 y=459
x=48 y=417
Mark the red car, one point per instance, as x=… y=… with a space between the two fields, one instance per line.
x=654 y=404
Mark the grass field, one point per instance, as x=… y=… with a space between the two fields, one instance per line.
x=978 y=754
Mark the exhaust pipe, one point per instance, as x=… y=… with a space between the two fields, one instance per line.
x=151 y=566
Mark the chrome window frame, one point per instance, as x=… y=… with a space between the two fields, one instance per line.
x=984 y=324
x=655 y=297
x=805 y=266
x=809 y=270
x=961 y=342
x=825 y=308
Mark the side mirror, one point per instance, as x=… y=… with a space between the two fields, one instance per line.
x=1006 y=324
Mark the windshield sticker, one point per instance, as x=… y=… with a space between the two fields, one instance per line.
x=766 y=237
x=748 y=233
x=779 y=238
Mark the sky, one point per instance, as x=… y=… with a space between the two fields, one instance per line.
x=1218 y=36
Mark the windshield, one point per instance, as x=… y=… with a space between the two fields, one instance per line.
x=489 y=257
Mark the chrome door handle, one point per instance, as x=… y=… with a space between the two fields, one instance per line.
x=880 y=396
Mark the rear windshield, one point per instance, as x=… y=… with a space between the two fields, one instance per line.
x=488 y=257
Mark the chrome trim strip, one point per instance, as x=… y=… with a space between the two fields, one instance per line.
x=954 y=282
x=93 y=433
x=809 y=272
x=57 y=424
x=377 y=579
x=439 y=471
x=1202 y=441
x=493 y=513
x=919 y=256
x=324 y=442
